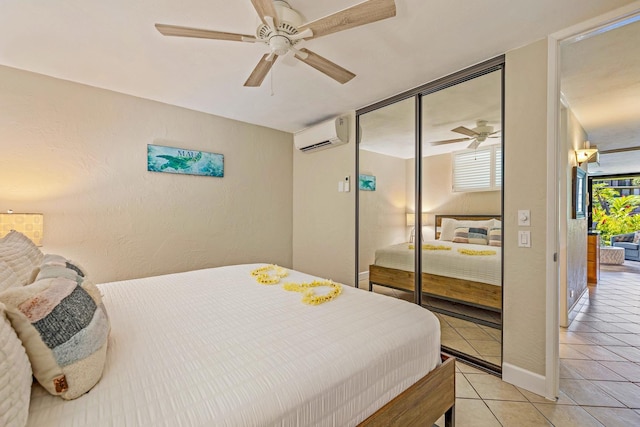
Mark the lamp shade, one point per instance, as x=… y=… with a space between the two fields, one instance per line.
x=411 y=219
x=29 y=224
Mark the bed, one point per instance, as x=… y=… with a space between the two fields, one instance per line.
x=214 y=347
x=447 y=274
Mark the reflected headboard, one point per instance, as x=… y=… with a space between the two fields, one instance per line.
x=439 y=219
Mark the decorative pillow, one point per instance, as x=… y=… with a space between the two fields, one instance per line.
x=636 y=237
x=59 y=260
x=474 y=235
x=628 y=237
x=8 y=278
x=496 y=223
x=495 y=237
x=22 y=256
x=64 y=328
x=53 y=271
x=448 y=227
x=15 y=372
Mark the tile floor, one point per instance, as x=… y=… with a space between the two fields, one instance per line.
x=599 y=369
x=480 y=341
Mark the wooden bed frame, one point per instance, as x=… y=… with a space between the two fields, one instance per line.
x=423 y=403
x=473 y=293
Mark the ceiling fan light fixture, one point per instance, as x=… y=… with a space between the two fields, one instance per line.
x=279 y=44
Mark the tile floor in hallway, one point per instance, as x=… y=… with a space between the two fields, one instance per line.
x=599 y=368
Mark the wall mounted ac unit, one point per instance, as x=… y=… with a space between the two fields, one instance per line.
x=324 y=135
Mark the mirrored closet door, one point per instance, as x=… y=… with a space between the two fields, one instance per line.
x=430 y=201
x=386 y=224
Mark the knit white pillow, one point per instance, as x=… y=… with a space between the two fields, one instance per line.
x=22 y=256
x=15 y=376
x=8 y=278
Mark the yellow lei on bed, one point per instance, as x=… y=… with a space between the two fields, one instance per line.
x=309 y=296
x=263 y=275
x=474 y=252
x=433 y=247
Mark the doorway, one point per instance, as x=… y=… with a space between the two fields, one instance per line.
x=597 y=73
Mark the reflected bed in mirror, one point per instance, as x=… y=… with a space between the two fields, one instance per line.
x=453 y=269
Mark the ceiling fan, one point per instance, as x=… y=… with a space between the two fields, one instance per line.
x=477 y=135
x=281 y=28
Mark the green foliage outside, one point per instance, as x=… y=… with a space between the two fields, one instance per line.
x=612 y=213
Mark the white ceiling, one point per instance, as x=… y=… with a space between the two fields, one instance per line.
x=114 y=45
x=601 y=82
x=391 y=130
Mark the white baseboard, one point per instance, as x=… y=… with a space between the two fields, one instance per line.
x=527 y=380
x=363 y=276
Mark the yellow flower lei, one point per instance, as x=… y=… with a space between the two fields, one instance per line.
x=474 y=252
x=263 y=276
x=433 y=247
x=309 y=296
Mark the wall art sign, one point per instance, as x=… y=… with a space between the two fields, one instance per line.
x=183 y=161
x=367 y=183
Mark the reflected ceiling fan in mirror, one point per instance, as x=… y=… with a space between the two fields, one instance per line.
x=281 y=28
x=477 y=135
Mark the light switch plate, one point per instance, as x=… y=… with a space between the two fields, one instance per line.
x=524 y=217
x=524 y=238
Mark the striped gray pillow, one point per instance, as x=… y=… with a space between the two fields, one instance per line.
x=64 y=328
x=473 y=235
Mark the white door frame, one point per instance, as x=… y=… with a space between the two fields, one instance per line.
x=556 y=169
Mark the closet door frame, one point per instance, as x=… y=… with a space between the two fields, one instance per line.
x=494 y=64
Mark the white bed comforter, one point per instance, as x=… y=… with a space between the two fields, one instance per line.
x=448 y=263
x=215 y=348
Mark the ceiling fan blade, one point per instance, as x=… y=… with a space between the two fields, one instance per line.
x=265 y=8
x=449 y=141
x=465 y=131
x=260 y=72
x=325 y=66
x=475 y=144
x=360 y=14
x=174 y=30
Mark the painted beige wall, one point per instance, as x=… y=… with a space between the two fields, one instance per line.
x=382 y=212
x=573 y=249
x=524 y=311
x=437 y=197
x=78 y=155
x=323 y=218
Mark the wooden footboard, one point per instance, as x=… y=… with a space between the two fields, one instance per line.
x=475 y=293
x=423 y=403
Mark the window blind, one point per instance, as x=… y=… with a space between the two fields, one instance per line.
x=477 y=170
